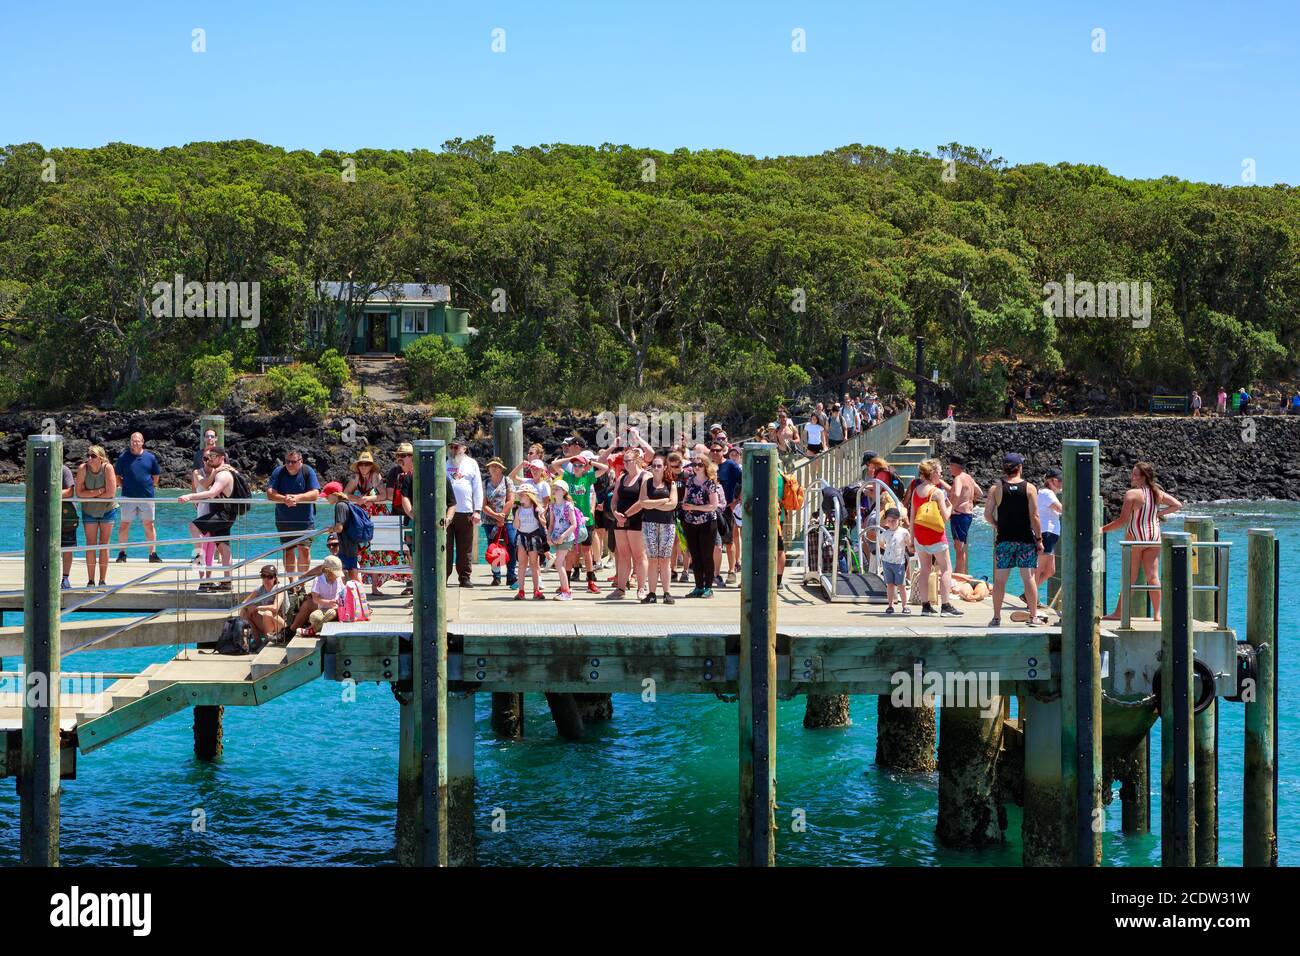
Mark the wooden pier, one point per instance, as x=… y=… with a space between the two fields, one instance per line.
x=1089 y=690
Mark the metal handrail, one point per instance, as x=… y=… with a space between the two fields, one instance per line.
x=211 y=539
x=1126 y=588
x=129 y=625
x=18 y=499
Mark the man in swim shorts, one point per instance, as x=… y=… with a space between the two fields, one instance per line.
x=965 y=493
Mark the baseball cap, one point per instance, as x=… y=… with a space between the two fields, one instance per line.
x=332 y=488
x=587 y=454
x=1053 y=473
x=575 y=440
x=537 y=463
x=1012 y=460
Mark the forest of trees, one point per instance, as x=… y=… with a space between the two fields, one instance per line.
x=634 y=275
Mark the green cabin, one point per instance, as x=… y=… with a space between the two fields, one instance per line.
x=396 y=316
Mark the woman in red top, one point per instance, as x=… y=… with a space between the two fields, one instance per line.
x=932 y=544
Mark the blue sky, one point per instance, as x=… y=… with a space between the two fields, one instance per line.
x=1189 y=89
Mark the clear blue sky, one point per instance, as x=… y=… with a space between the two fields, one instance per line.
x=1186 y=88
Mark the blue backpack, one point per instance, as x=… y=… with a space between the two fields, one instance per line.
x=359 y=529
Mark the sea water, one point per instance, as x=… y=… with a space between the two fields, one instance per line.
x=311 y=777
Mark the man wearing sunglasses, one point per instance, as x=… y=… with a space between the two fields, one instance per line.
x=294 y=487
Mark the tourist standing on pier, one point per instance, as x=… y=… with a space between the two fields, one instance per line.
x=835 y=427
x=294 y=487
x=658 y=505
x=629 y=542
x=564 y=528
x=467 y=484
x=218 y=522
x=965 y=493
x=814 y=434
x=1011 y=510
x=1145 y=505
x=498 y=503
x=1049 y=520
x=398 y=485
x=530 y=536
x=68 y=527
x=96 y=479
x=366 y=489
x=581 y=472
x=138 y=471
x=929 y=511
x=849 y=412
x=701 y=500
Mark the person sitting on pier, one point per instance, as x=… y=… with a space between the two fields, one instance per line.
x=265 y=618
x=1146 y=504
x=326 y=592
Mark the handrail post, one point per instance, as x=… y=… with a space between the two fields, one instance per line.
x=38 y=782
x=1206 y=729
x=1177 y=699
x=422 y=758
x=1125 y=593
x=1081 y=651
x=1259 y=803
x=757 y=683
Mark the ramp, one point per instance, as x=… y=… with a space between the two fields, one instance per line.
x=854 y=588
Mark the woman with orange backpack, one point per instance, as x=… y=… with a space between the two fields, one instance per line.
x=928 y=512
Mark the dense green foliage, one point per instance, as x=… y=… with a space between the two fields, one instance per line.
x=211 y=378
x=332 y=369
x=596 y=275
x=298 y=388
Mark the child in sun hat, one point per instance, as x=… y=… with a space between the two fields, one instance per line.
x=564 y=528
x=530 y=536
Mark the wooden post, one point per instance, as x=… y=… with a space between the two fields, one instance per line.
x=508 y=440
x=826 y=710
x=970 y=739
x=1044 y=840
x=460 y=778
x=1081 y=779
x=757 y=685
x=442 y=429
x=905 y=736
x=1177 y=699
x=422 y=831
x=1206 y=723
x=1259 y=801
x=38 y=781
x=209 y=719
x=1135 y=790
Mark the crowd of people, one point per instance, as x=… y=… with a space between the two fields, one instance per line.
x=651 y=517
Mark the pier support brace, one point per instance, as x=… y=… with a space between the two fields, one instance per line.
x=1259 y=801
x=757 y=684
x=460 y=779
x=1206 y=728
x=1177 y=699
x=969 y=743
x=422 y=806
x=1081 y=735
x=826 y=710
x=905 y=737
x=38 y=780
x=508 y=440
x=594 y=707
x=208 y=731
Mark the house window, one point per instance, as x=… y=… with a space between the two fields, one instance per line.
x=415 y=321
x=316 y=319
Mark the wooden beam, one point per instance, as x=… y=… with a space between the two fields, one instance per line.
x=1259 y=803
x=757 y=694
x=38 y=782
x=1177 y=699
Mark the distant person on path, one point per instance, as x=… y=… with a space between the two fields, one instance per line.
x=96 y=479
x=835 y=427
x=1049 y=521
x=467 y=484
x=849 y=412
x=814 y=435
x=1243 y=401
x=294 y=487
x=1012 y=511
x=1146 y=504
x=138 y=471
x=966 y=492
x=1221 y=402
x=1009 y=410
x=1196 y=404
x=1295 y=402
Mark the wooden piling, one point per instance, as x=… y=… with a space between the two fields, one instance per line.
x=1259 y=801
x=970 y=739
x=1177 y=699
x=38 y=781
x=1081 y=599
x=460 y=779
x=1135 y=789
x=826 y=710
x=508 y=441
x=1205 y=730
x=905 y=737
x=209 y=719
x=1044 y=839
x=422 y=809
x=757 y=678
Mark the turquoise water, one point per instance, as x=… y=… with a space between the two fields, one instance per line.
x=311 y=778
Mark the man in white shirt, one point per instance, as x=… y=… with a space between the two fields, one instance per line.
x=467 y=487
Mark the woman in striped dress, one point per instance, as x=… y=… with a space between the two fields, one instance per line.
x=1146 y=504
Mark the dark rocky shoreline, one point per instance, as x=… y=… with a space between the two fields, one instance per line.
x=1197 y=459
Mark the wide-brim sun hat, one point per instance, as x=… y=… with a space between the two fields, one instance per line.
x=333 y=563
x=365 y=458
x=405 y=448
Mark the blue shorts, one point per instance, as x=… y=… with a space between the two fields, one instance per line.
x=961 y=526
x=1014 y=554
x=349 y=560
x=100 y=519
x=894 y=573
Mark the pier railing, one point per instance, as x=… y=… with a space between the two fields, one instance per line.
x=841 y=465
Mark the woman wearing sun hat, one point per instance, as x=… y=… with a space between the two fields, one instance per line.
x=366 y=488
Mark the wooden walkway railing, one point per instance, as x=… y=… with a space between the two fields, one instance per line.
x=842 y=465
